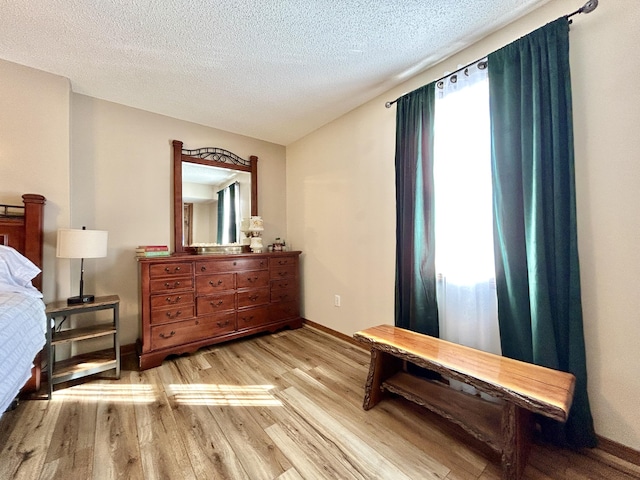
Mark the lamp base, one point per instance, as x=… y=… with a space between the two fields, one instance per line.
x=80 y=299
x=256 y=244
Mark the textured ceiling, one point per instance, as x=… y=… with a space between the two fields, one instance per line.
x=273 y=70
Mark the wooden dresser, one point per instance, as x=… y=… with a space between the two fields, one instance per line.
x=191 y=301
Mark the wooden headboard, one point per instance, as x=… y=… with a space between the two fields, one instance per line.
x=21 y=228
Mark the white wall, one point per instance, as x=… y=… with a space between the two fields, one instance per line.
x=34 y=155
x=341 y=203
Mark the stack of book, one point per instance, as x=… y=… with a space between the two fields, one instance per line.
x=152 y=251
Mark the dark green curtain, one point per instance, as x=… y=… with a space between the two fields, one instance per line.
x=220 y=217
x=415 y=297
x=536 y=250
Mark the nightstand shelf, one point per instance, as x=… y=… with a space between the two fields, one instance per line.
x=83 y=333
x=83 y=365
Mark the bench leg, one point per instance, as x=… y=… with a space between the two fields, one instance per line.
x=516 y=431
x=383 y=366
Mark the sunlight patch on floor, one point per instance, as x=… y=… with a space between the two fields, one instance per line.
x=115 y=392
x=232 y=395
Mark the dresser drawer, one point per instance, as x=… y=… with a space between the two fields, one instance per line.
x=254 y=297
x=170 y=299
x=169 y=284
x=207 y=284
x=253 y=317
x=284 y=295
x=225 y=322
x=216 y=303
x=231 y=265
x=284 y=262
x=255 y=278
x=284 y=284
x=170 y=269
x=175 y=313
x=179 y=333
x=279 y=273
x=283 y=310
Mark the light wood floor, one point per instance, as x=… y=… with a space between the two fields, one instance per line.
x=283 y=406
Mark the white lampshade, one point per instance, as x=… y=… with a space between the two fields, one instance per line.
x=73 y=243
x=256 y=224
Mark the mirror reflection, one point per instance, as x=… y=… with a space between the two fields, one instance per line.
x=218 y=191
x=214 y=202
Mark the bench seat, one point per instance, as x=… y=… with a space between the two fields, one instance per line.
x=521 y=388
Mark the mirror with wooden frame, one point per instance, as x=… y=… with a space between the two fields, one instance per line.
x=213 y=190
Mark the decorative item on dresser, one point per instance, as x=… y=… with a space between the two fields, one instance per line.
x=191 y=301
x=256 y=226
x=21 y=229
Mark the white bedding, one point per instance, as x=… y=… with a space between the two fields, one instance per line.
x=22 y=336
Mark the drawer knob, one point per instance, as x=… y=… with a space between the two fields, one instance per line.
x=223 y=324
x=171 y=334
x=283 y=262
x=168 y=270
x=283 y=284
x=177 y=314
x=216 y=304
x=177 y=299
x=247 y=319
x=253 y=298
x=282 y=274
x=168 y=285
x=203 y=268
x=215 y=284
x=252 y=279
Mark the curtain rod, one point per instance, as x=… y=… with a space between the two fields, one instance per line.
x=588 y=7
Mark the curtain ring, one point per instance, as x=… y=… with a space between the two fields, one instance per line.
x=454 y=78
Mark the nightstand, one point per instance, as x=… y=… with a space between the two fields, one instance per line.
x=85 y=364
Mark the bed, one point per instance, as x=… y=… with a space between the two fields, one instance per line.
x=22 y=316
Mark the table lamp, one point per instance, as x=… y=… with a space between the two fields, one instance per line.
x=256 y=227
x=73 y=243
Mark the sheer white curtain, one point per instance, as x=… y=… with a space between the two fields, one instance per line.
x=226 y=215
x=467 y=303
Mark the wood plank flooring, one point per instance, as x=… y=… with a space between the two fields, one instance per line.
x=286 y=406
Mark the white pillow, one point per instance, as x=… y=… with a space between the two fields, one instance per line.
x=16 y=268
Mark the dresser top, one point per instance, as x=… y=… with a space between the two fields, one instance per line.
x=215 y=256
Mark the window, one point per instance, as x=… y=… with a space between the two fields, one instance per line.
x=467 y=302
x=228 y=218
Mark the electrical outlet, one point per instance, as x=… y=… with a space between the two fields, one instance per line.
x=336 y=301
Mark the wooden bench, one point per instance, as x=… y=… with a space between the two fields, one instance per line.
x=505 y=425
